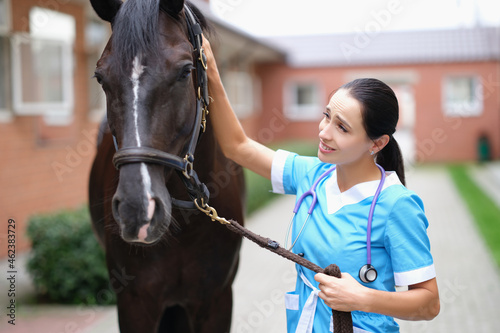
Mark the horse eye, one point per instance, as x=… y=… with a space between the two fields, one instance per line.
x=98 y=78
x=186 y=72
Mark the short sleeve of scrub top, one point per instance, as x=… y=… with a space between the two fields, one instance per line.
x=400 y=245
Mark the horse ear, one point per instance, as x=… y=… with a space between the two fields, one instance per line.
x=173 y=7
x=106 y=9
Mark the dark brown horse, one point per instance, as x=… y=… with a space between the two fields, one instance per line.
x=172 y=268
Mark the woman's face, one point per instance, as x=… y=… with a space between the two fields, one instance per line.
x=343 y=139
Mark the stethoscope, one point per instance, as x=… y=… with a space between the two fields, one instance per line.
x=367 y=273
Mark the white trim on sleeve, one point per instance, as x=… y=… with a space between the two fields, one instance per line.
x=277 y=169
x=415 y=276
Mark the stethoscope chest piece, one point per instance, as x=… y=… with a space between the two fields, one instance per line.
x=367 y=273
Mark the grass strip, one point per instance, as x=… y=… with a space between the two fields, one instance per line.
x=485 y=212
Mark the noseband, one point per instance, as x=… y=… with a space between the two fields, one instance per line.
x=184 y=166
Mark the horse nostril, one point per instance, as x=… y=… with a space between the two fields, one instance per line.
x=115 y=208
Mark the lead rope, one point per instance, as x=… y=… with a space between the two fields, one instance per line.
x=342 y=321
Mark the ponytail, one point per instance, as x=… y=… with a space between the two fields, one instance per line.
x=380 y=112
x=390 y=158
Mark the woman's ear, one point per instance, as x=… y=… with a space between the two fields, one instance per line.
x=379 y=143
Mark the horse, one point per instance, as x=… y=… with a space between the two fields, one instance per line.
x=170 y=266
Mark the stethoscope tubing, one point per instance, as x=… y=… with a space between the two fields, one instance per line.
x=312 y=192
x=370 y=216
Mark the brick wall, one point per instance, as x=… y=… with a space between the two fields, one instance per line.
x=438 y=138
x=45 y=168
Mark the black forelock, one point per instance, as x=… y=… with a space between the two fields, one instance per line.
x=135 y=29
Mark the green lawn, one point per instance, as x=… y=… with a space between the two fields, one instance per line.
x=485 y=212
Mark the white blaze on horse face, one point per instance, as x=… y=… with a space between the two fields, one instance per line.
x=137 y=70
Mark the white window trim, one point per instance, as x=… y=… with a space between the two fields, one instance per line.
x=241 y=84
x=98 y=110
x=294 y=112
x=55 y=113
x=475 y=109
x=6 y=29
x=5 y=113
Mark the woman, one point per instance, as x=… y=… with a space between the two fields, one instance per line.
x=355 y=133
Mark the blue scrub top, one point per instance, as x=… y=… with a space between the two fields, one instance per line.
x=336 y=233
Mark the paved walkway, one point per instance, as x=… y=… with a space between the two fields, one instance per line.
x=467 y=303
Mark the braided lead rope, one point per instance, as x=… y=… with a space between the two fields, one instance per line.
x=342 y=321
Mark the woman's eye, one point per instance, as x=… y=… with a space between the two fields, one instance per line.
x=326 y=115
x=342 y=128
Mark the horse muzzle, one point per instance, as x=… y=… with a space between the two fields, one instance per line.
x=141 y=209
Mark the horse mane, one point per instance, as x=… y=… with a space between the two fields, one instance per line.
x=136 y=31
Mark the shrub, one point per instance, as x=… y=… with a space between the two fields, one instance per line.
x=66 y=263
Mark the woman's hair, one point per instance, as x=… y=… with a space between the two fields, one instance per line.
x=380 y=113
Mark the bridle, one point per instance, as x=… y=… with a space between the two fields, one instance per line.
x=197 y=191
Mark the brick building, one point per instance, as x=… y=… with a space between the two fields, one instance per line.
x=447 y=82
x=50 y=107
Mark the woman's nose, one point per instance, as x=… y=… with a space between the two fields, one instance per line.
x=324 y=132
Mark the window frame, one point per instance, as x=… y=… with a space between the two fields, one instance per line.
x=460 y=109
x=97 y=97
x=5 y=29
x=240 y=87
x=51 y=110
x=5 y=112
x=309 y=112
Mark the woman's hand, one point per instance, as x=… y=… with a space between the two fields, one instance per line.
x=228 y=130
x=344 y=294
x=212 y=70
x=419 y=302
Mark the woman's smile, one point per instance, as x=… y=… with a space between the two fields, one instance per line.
x=325 y=149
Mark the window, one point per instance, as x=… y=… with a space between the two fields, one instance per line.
x=5 y=114
x=96 y=36
x=4 y=16
x=462 y=96
x=302 y=101
x=43 y=67
x=240 y=91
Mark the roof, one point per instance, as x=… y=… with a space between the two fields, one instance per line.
x=402 y=47
x=232 y=41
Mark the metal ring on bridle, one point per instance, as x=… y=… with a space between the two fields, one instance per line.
x=188 y=169
x=203 y=59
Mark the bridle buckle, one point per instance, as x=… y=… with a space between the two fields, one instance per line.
x=188 y=169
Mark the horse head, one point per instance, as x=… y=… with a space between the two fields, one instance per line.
x=146 y=72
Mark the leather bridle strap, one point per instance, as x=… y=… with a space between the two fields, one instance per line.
x=184 y=166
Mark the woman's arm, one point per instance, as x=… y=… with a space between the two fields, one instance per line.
x=228 y=130
x=420 y=302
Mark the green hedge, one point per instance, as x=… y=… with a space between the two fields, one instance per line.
x=66 y=262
